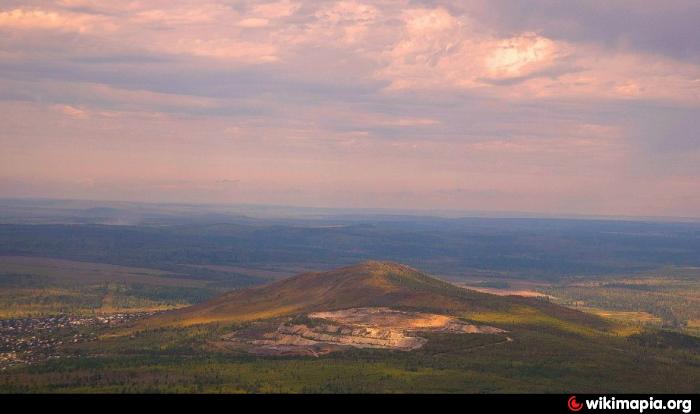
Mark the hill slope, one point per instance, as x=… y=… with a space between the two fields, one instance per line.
x=372 y=327
x=368 y=284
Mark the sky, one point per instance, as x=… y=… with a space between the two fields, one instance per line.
x=551 y=107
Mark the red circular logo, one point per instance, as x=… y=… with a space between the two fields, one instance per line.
x=573 y=404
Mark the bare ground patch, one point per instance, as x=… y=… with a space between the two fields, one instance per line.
x=324 y=332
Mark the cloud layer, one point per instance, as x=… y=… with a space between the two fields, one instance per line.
x=558 y=107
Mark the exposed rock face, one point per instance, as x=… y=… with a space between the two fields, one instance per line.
x=324 y=332
x=407 y=321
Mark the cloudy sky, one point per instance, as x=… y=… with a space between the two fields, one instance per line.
x=555 y=107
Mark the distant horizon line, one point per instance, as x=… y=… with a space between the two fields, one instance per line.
x=446 y=213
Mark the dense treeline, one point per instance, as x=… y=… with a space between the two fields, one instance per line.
x=537 y=360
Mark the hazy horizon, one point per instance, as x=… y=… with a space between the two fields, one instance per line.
x=289 y=211
x=554 y=109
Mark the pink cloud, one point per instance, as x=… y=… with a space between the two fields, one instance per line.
x=276 y=9
x=37 y=19
x=72 y=111
x=300 y=99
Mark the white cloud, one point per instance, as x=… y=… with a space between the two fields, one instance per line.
x=519 y=56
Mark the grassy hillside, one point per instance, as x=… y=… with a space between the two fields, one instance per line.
x=369 y=284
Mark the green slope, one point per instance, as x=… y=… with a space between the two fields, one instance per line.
x=370 y=284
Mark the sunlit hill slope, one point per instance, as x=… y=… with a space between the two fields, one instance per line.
x=371 y=284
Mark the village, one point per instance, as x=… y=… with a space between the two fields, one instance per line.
x=30 y=340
